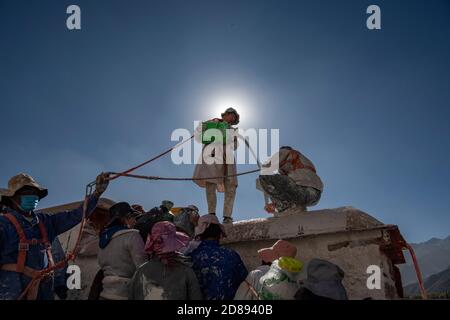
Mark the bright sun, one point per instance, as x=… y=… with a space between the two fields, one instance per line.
x=221 y=103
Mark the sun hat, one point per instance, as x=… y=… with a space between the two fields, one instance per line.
x=325 y=279
x=236 y=115
x=205 y=221
x=18 y=182
x=281 y=248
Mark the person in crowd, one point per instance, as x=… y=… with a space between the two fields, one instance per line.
x=251 y=286
x=26 y=236
x=281 y=281
x=168 y=275
x=146 y=221
x=186 y=219
x=323 y=282
x=219 y=270
x=121 y=252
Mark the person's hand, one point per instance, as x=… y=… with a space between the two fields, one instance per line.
x=270 y=208
x=101 y=183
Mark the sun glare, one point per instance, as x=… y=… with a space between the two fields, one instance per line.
x=221 y=103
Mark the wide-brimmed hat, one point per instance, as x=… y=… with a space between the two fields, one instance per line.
x=193 y=208
x=325 y=280
x=281 y=248
x=164 y=238
x=122 y=210
x=18 y=182
x=167 y=204
x=184 y=220
x=205 y=221
x=236 y=115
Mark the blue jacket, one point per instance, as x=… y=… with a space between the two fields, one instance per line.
x=219 y=270
x=12 y=283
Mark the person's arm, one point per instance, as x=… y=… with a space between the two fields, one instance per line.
x=66 y=220
x=241 y=271
x=136 y=249
x=198 y=133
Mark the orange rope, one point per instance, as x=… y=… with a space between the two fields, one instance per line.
x=423 y=292
x=187 y=179
x=148 y=161
x=71 y=256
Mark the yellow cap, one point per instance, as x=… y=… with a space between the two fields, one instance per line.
x=290 y=264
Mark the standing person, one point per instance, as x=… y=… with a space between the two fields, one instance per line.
x=121 y=252
x=296 y=185
x=26 y=236
x=219 y=270
x=251 y=286
x=223 y=165
x=167 y=275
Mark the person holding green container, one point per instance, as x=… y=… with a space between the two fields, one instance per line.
x=217 y=161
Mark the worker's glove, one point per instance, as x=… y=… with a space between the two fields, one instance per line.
x=101 y=183
x=270 y=208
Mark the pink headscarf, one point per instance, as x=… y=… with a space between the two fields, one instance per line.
x=165 y=239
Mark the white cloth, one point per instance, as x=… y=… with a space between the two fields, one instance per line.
x=278 y=284
x=224 y=165
x=119 y=261
x=244 y=292
x=302 y=177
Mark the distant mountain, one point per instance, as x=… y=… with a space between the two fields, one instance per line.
x=436 y=284
x=433 y=257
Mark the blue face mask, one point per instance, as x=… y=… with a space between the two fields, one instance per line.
x=29 y=203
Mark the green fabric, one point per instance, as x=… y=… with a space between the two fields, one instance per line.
x=211 y=137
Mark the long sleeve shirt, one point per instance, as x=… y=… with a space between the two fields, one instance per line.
x=219 y=270
x=13 y=283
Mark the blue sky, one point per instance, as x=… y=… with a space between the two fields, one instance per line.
x=370 y=108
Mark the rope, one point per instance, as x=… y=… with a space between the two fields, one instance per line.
x=117 y=175
x=423 y=292
x=252 y=290
x=71 y=256
x=187 y=179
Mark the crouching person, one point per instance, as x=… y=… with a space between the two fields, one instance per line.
x=296 y=185
x=121 y=252
x=167 y=275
